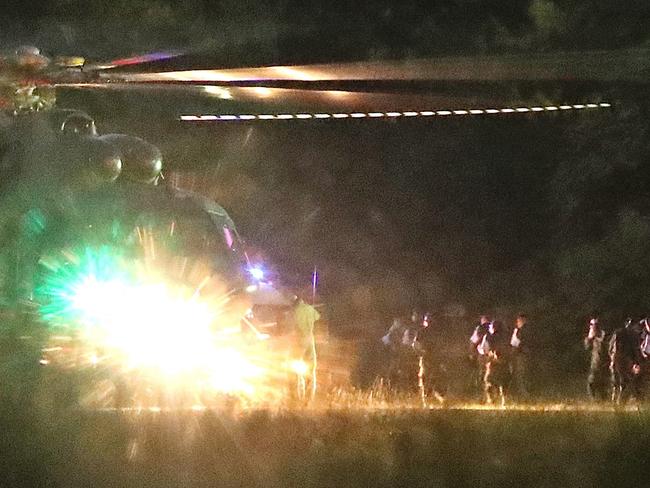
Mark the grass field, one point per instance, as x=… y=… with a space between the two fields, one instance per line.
x=355 y=438
x=327 y=447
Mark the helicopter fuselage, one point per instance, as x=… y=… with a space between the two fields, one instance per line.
x=92 y=190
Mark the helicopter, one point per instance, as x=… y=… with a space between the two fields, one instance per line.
x=64 y=185
x=54 y=157
x=378 y=90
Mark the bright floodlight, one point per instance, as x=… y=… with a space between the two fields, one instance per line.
x=142 y=323
x=257 y=273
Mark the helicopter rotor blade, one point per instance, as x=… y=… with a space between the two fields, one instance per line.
x=604 y=66
x=237 y=103
x=133 y=61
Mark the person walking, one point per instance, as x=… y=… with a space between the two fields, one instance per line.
x=521 y=349
x=594 y=344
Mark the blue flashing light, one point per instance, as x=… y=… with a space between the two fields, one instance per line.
x=257 y=273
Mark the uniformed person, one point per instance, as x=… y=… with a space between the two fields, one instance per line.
x=409 y=357
x=521 y=350
x=476 y=356
x=495 y=345
x=625 y=362
x=305 y=317
x=432 y=373
x=392 y=341
x=594 y=343
x=644 y=366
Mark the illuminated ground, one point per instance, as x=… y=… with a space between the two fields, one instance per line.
x=555 y=445
x=346 y=439
x=388 y=407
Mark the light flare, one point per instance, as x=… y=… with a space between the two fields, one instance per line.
x=299 y=367
x=134 y=321
x=151 y=327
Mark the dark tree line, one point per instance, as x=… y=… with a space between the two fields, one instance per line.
x=273 y=29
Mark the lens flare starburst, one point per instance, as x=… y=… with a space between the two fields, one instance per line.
x=144 y=325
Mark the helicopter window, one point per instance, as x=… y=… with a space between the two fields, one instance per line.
x=78 y=124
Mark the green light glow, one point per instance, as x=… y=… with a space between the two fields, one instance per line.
x=64 y=276
x=34 y=223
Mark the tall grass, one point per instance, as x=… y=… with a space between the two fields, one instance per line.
x=323 y=448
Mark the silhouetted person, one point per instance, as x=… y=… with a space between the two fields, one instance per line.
x=476 y=355
x=305 y=317
x=392 y=341
x=644 y=348
x=400 y=342
x=433 y=372
x=594 y=343
x=497 y=370
x=625 y=362
x=409 y=357
x=521 y=349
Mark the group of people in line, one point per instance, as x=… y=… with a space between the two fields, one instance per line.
x=619 y=361
x=499 y=358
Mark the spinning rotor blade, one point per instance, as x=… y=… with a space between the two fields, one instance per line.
x=630 y=65
x=483 y=85
x=31 y=68
x=134 y=60
x=236 y=103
